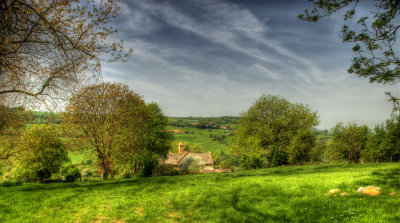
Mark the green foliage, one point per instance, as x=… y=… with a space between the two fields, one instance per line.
x=301 y=147
x=86 y=172
x=164 y=170
x=317 y=152
x=71 y=173
x=143 y=140
x=39 y=117
x=224 y=122
x=12 y=125
x=375 y=36
x=383 y=145
x=226 y=160
x=191 y=165
x=348 y=142
x=148 y=166
x=251 y=162
x=267 y=129
x=11 y=183
x=42 y=153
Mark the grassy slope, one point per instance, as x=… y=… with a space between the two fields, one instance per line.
x=291 y=194
x=202 y=138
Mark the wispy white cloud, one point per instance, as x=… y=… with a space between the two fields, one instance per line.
x=214 y=57
x=228 y=24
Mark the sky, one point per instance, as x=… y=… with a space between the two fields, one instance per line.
x=216 y=57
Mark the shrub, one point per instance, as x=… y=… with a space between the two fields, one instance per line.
x=126 y=175
x=251 y=162
x=11 y=183
x=148 y=166
x=191 y=165
x=86 y=173
x=164 y=170
x=41 y=153
x=71 y=173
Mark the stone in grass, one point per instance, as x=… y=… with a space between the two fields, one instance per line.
x=334 y=191
x=343 y=194
x=370 y=190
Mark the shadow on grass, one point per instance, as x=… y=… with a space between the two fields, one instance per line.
x=292 y=170
x=103 y=185
x=385 y=178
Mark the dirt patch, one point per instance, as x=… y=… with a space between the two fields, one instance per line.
x=173 y=215
x=79 y=215
x=100 y=219
x=139 y=211
x=176 y=131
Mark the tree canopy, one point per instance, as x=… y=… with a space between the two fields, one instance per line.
x=41 y=153
x=114 y=122
x=269 y=126
x=374 y=36
x=348 y=142
x=47 y=47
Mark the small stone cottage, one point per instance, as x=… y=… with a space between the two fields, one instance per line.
x=206 y=159
x=176 y=159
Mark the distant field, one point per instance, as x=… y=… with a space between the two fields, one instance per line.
x=201 y=137
x=284 y=194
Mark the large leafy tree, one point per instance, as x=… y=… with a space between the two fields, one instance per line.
x=374 y=36
x=144 y=138
x=96 y=114
x=47 y=47
x=348 y=142
x=119 y=127
x=268 y=127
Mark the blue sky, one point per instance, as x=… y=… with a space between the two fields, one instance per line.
x=215 y=57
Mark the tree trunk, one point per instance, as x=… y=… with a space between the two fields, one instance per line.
x=105 y=172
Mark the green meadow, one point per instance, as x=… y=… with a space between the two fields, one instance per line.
x=201 y=137
x=283 y=194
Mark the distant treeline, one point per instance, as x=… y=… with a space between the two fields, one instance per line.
x=224 y=122
x=41 y=117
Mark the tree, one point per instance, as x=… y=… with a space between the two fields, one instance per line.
x=348 y=142
x=393 y=138
x=268 y=127
x=375 y=37
x=12 y=124
x=42 y=153
x=300 y=150
x=144 y=139
x=97 y=115
x=47 y=47
x=384 y=143
x=377 y=147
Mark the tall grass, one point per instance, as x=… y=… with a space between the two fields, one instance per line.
x=290 y=194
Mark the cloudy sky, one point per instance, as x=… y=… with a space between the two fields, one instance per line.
x=215 y=57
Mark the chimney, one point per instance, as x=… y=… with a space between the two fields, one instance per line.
x=180 y=148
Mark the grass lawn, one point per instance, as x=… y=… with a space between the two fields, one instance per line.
x=285 y=194
x=201 y=137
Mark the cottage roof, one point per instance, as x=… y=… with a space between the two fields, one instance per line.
x=176 y=159
x=205 y=158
